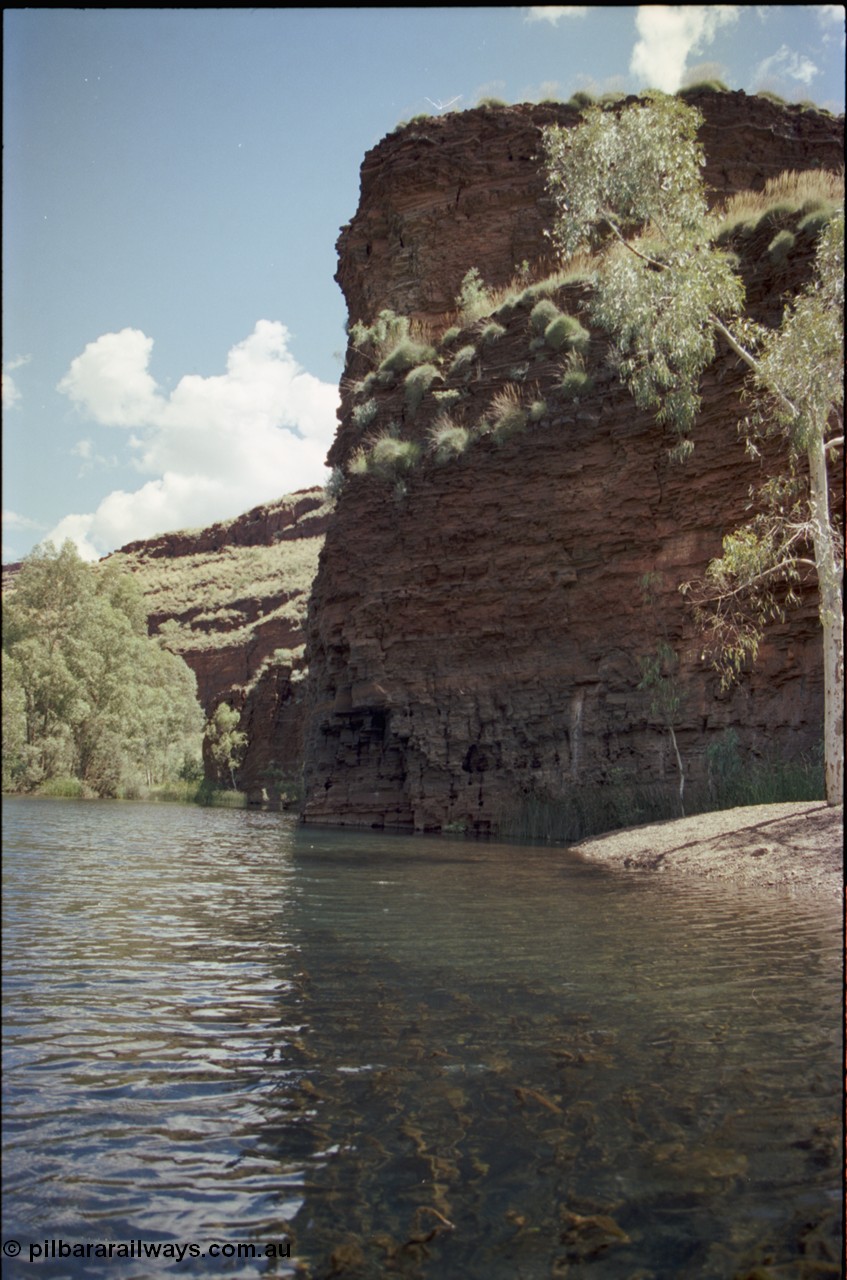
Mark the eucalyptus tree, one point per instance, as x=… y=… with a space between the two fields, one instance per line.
x=629 y=186
x=224 y=742
x=87 y=692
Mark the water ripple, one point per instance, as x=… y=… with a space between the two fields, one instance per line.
x=219 y=1026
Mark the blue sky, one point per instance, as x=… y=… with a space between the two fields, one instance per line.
x=174 y=185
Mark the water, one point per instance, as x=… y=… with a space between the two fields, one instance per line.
x=406 y=1056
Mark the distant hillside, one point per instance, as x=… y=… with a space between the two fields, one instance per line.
x=231 y=599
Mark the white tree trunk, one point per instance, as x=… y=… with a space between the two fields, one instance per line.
x=831 y=612
x=681 y=771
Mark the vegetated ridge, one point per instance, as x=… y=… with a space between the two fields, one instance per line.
x=231 y=600
x=510 y=534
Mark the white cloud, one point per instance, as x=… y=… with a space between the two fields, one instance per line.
x=213 y=448
x=829 y=12
x=76 y=528
x=552 y=13
x=11 y=394
x=11 y=391
x=12 y=520
x=785 y=63
x=110 y=380
x=669 y=33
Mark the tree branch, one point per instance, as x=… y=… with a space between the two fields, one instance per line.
x=751 y=362
x=783 y=567
x=651 y=262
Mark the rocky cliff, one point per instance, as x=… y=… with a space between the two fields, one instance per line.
x=479 y=620
x=231 y=600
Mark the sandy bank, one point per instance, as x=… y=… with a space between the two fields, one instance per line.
x=799 y=847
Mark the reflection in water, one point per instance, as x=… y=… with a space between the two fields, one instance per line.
x=409 y=1056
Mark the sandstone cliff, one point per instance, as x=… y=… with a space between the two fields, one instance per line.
x=231 y=600
x=477 y=623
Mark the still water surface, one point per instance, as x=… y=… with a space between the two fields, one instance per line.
x=407 y=1056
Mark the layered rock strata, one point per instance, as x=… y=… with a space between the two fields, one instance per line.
x=479 y=624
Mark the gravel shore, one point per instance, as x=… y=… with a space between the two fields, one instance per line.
x=798 y=847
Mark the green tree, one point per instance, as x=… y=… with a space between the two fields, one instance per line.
x=89 y=693
x=630 y=187
x=223 y=742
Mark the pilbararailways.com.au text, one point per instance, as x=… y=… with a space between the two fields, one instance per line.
x=46 y=1249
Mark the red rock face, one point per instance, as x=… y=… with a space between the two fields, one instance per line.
x=465 y=190
x=475 y=634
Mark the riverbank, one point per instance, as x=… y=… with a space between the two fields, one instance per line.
x=797 y=847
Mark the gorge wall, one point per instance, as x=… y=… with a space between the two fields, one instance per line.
x=231 y=600
x=478 y=621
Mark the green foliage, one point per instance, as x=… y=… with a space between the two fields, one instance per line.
x=813 y=194
x=492 y=102
x=358 y=462
x=364 y=414
x=814 y=222
x=446 y=399
x=447 y=439
x=565 y=332
x=382 y=336
x=556 y=333
x=781 y=245
x=624 y=172
x=450 y=335
x=88 y=694
x=418 y=382
x=507 y=414
x=542 y=316
x=733 y=781
x=63 y=788
x=389 y=456
x=659 y=672
x=575 y=384
x=799 y=367
x=581 y=99
x=575 y=381
x=491 y=333
x=506 y=308
x=210 y=796
x=585 y=811
x=798 y=394
x=210 y=585
x=776 y=213
x=463 y=361
x=474 y=298
x=620 y=177
x=703 y=86
x=224 y=743
x=335 y=483
x=630 y=185
x=537 y=410
x=406 y=354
